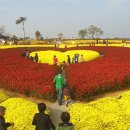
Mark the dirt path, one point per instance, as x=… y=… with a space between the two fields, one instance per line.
x=54 y=109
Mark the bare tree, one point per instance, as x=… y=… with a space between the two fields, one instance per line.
x=22 y=20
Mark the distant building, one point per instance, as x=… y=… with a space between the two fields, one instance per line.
x=3 y=39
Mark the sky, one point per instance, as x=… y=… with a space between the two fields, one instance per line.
x=51 y=17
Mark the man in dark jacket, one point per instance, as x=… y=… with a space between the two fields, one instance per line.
x=3 y=125
x=42 y=120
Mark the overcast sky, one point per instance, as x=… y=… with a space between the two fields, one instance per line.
x=51 y=17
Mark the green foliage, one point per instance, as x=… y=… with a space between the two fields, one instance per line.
x=94 y=31
x=50 y=96
x=83 y=33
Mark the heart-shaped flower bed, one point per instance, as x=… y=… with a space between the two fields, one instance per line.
x=47 y=56
x=106 y=73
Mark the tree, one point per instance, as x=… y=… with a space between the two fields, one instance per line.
x=99 y=32
x=22 y=20
x=38 y=35
x=60 y=35
x=83 y=33
x=94 y=31
x=2 y=30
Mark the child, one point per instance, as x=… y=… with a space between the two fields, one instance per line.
x=3 y=125
x=65 y=124
x=67 y=95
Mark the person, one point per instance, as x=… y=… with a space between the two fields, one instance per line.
x=55 y=60
x=36 y=57
x=68 y=60
x=106 y=43
x=76 y=56
x=27 y=53
x=31 y=58
x=125 y=45
x=54 y=45
x=3 y=125
x=63 y=65
x=81 y=59
x=24 y=52
x=41 y=120
x=67 y=95
x=59 y=84
x=65 y=46
x=73 y=59
x=65 y=124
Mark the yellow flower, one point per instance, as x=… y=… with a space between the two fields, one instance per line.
x=104 y=114
x=47 y=56
x=3 y=96
x=21 y=112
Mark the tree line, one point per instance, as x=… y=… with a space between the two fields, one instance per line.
x=91 y=32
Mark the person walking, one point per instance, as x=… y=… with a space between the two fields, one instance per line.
x=41 y=120
x=59 y=84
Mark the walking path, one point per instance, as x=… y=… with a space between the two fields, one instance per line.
x=54 y=108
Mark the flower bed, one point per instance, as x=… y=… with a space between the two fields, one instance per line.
x=24 y=76
x=3 y=96
x=47 y=56
x=110 y=72
x=21 y=112
x=104 y=114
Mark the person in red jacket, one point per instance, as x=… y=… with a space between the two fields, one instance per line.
x=55 y=60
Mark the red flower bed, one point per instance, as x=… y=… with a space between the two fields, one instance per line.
x=110 y=72
x=22 y=75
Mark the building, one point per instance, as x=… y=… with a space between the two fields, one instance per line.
x=3 y=39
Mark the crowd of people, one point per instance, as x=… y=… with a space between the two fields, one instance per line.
x=64 y=92
x=26 y=54
x=41 y=121
x=62 y=89
x=76 y=58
